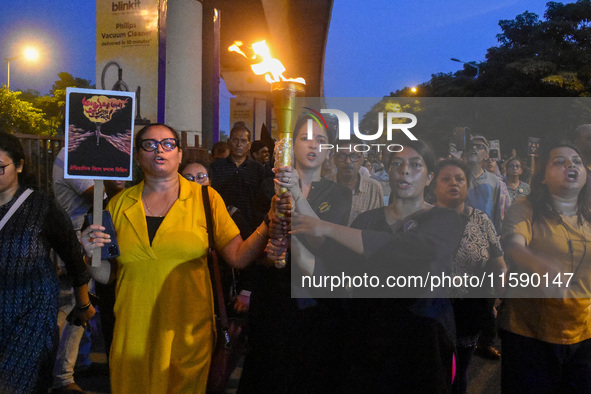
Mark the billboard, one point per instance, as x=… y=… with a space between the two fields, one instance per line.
x=127 y=50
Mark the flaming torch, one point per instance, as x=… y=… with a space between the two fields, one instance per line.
x=283 y=93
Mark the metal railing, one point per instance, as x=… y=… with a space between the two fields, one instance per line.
x=40 y=152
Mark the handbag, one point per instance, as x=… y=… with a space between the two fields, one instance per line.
x=231 y=340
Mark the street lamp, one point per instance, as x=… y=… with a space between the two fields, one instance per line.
x=29 y=53
x=471 y=64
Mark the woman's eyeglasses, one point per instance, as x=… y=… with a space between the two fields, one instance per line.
x=200 y=177
x=167 y=144
x=2 y=171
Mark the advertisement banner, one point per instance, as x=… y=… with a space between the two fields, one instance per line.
x=127 y=52
x=100 y=134
x=242 y=110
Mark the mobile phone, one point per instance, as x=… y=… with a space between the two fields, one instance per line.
x=459 y=137
x=494 y=153
x=110 y=250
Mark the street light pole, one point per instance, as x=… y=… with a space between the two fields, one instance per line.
x=29 y=53
x=471 y=64
x=8 y=60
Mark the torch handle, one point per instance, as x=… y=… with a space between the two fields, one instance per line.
x=283 y=151
x=283 y=94
x=281 y=263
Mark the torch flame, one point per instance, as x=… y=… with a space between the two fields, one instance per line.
x=272 y=68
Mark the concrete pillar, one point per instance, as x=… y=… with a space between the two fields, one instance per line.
x=183 y=66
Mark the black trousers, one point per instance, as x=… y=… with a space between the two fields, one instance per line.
x=532 y=366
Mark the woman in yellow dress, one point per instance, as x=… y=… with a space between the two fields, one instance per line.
x=164 y=329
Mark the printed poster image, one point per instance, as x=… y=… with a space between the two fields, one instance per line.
x=533 y=146
x=99 y=136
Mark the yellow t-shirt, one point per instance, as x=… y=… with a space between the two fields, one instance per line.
x=560 y=321
x=164 y=325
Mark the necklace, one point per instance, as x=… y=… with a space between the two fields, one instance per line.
x=166 y=207
x=570 y=245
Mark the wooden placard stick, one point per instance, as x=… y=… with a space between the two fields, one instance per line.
x=97 y=217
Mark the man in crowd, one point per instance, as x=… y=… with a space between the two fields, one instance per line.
x=238 y=178
x=220 y=150
x=484 y=193
x=260 y=153
x=75 y=197
x=367 y=192
x=485 y=189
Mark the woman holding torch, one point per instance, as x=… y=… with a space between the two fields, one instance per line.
x=297 y=343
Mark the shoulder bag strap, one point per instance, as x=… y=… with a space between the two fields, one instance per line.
x=212 y=259
x=15 y=206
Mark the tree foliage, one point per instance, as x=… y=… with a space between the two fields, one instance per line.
x=52 y=106
x=536 y=57
x=19 y=116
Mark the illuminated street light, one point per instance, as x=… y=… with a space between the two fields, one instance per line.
x=413 y=89
x=29 y=53
x=471 y=64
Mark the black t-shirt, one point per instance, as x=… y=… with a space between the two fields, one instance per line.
x=239 y=186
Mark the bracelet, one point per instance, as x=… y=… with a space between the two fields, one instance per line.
x=85 y=307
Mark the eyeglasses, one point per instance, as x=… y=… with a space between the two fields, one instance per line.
x=167 y=144
x=201 y=176
x=514 y=166
x=2 y=171
x=354 y=157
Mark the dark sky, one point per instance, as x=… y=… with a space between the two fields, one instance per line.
x=374 y=47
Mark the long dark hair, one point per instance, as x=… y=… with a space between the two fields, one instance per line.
x=540 y=197
x=13 y=148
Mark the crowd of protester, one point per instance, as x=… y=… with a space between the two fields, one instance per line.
x=405 y=213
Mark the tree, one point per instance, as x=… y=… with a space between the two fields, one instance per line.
x=30 y=113
x=53 y=105
x=68 y=81
x=548 y=57
x=19 y=116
